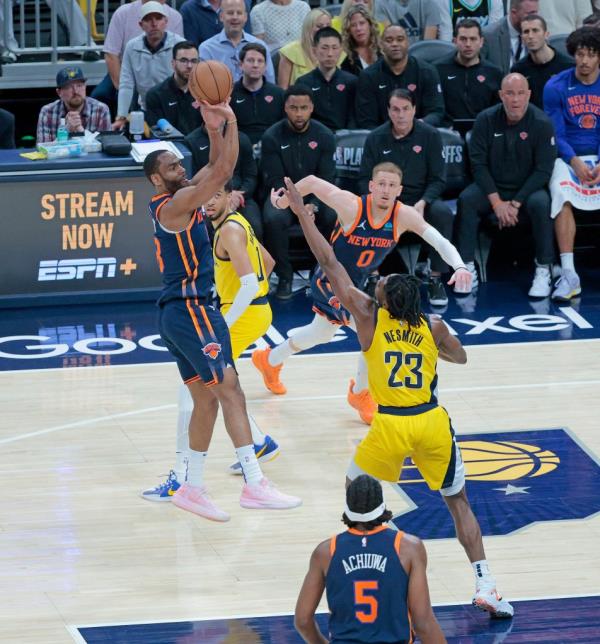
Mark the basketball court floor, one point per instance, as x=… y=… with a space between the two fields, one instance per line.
x=88 y=399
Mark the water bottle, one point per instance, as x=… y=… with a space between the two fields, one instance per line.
x=62 y=134
x=136 y=125
x=164 y=126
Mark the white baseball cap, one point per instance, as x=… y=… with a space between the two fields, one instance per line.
x=153 y=7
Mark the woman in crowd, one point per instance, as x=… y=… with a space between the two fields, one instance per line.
x=360 y=39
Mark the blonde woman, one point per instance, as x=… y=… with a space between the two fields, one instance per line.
x=297 y=58
x=337 y=22
x=360 y=39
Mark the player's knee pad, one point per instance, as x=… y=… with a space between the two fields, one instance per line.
x=319 y=331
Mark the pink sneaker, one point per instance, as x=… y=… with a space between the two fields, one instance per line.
x=197 y=500
x=265 y=495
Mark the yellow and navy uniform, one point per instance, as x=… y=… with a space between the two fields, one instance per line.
x=402 y=361
x=192 y=329
x=361 y=250
x=257 y=318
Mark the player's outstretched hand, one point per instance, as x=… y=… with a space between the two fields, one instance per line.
x=279 y=199
x=462 y=279
x=215 y=115
x=294 y=198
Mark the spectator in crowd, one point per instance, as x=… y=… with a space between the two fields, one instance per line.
x=123 y=26
x=454 y=11
x=257 y=103
x=279 y=22
x=420 y=18
x=295 y=147
x=542 y=61
x=470 y=83
x=8 y=46
x=201 y=19
x=337 y=22
x=7 y=130
x=571 y=99
x=70 y=15
x=333 y=89
x=360 y=40
x=245 y=175
x=147 y=59
x=226 y=45
x=171 y=99
x=564 y=17
x=416 y=148
x=297 y=58
x=593 y=20
x=397 y=70
x=80 y=112
x=512 y=152
x=503 y=46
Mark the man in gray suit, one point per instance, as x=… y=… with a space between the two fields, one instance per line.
x=503 y=46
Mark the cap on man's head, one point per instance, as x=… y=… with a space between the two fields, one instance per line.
x=153 y=7
x=68 y=75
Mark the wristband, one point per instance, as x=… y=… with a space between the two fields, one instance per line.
x=232 y=121
x=457 y=268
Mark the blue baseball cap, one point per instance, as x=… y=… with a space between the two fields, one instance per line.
x=68 y=75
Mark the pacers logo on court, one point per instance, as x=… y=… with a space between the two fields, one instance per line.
x=211 y=350
x=514 y=479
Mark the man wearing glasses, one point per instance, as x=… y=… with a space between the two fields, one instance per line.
x=171 y=99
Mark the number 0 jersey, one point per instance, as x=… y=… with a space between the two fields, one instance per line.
x=402 y=363
x=227 y=280
x=367 y=588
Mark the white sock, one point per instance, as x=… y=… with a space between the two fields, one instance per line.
x=258 y=437
x=566 y=262
x=250 y=467
x=482 y=572
x=362 y=374
x=182 y=442
x=195 y=472
x=280 y=353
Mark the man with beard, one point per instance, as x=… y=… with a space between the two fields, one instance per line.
x=79 y=112
x=171 y=99
x=296 y=146
x=192 y=329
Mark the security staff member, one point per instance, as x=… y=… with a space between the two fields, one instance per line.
x=416 y=148
x=333 y=90
x=397 y=70
x=171 y=99
x=294 y=147
x=257 y=104
x=245 y=175
x=470 y=84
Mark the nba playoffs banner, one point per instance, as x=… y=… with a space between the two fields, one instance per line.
x=74 y=236
x=565 y=186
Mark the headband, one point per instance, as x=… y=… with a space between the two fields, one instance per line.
x=367 y=516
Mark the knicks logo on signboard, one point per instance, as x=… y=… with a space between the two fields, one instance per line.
x=514 y=479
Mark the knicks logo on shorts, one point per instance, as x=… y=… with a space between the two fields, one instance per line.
x=334 y=303
x=587 y=122
x=211 y=350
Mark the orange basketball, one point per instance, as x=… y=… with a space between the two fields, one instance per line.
x=211 y=81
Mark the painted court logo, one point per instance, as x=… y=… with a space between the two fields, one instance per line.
x=514 y=479
x=211 y=350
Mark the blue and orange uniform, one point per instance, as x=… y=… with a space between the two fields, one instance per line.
x=361 y=250
x=367 y=588
x=192 y=329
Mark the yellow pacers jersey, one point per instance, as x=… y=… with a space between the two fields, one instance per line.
x=226 y=279
x=402 y=363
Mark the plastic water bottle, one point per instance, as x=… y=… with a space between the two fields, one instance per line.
x=136 y=125
x=164 y=126
x=62 y=134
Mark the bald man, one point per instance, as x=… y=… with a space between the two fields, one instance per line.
x=512 y=153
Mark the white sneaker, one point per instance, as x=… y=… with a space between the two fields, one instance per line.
x=568 y=286
x=542 y=282
x=487 y=598
x=197 y=500
x=265 y=496
x=470 y=266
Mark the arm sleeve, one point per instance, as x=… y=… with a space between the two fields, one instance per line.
x=444 y=247
x=246 y=175
x=366 y=103
x=544 y=155
x=367 y=163
x=154 y=109
x=432 y=99
x=242 y=299
x=554 y=109
x=271 y=164
x=478 y=153
x=436 y=169
x=126 y=84
x=326 y=167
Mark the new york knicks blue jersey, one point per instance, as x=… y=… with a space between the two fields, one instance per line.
x=184 y=258
x=367 y=588
x=361 y=250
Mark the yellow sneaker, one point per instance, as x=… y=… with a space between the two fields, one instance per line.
x=363 y=403
x=270 y=374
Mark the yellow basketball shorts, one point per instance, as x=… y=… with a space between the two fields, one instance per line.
x=428 y=438
x=249 y=327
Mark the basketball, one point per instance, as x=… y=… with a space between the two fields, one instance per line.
x=211 y=81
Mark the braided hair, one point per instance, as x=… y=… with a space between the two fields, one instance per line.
x=363 y=495
x=404 y=298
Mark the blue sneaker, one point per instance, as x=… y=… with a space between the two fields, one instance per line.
x=164 y=491
x=266 y=452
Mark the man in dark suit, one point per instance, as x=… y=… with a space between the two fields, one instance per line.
x=503 y=46
x=7 y=130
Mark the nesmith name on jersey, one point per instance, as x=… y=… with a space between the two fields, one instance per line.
x=403 y=335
